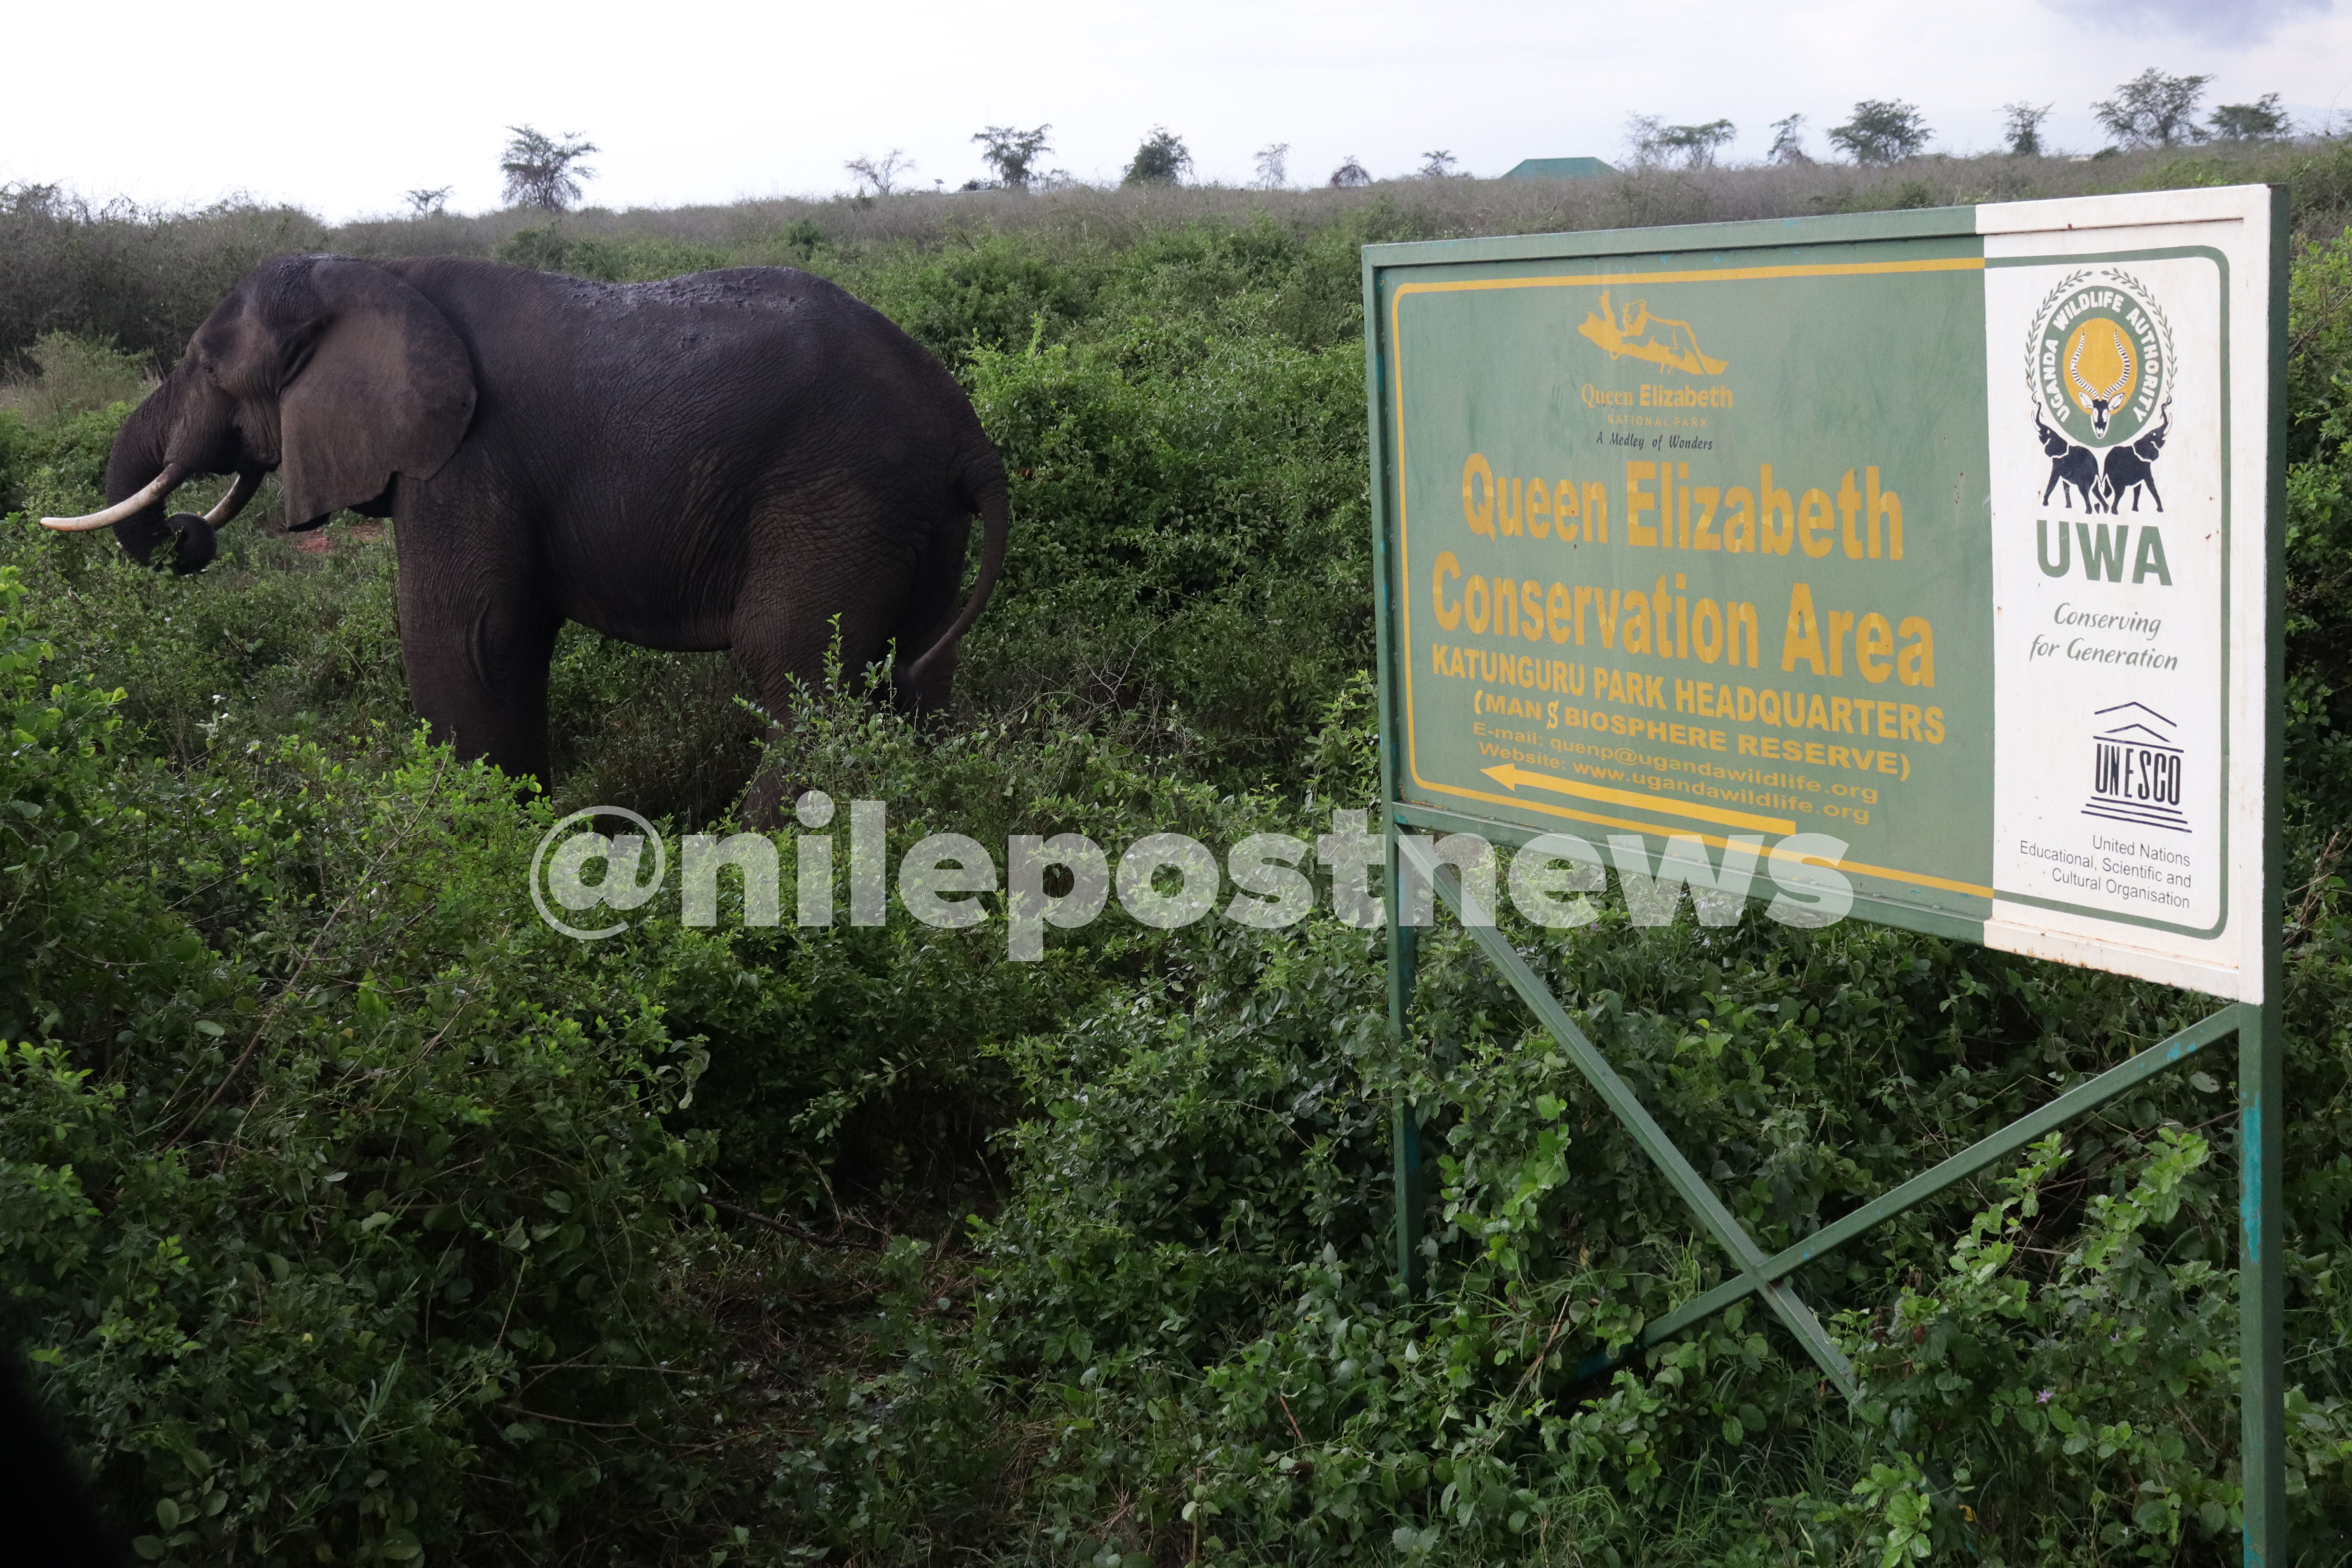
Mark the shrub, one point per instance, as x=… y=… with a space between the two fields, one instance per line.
x=336 y=1201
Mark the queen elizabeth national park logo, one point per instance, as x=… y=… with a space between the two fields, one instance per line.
x=2099 y=367
x=1631 y=332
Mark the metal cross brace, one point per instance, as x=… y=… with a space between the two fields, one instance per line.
x=1757 y=1274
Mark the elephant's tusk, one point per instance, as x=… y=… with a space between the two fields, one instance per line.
x=130 y=506
x=234 y=502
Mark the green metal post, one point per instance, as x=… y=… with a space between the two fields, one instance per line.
x=1404 y=951
x=2262 y=1045
x=2261 y=1326
x=1405 y=1130
x=2080 y=1100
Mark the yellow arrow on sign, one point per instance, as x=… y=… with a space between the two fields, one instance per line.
x=1510 y=775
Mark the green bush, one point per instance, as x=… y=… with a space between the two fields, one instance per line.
x=1194 y=1278
x=1209 y=541
x=145 y=281
x=336 y=1199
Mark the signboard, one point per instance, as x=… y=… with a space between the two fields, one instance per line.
x=1943 y=534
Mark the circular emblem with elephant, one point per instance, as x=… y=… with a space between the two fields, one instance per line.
x=2100 y=359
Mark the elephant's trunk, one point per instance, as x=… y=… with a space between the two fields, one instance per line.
x=154 y=453
x=131 y=506
x=141 y=471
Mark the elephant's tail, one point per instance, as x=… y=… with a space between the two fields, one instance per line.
x=986 y=492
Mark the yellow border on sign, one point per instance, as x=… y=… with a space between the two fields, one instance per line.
x=1918 y=878
x=1404 y=536
x=1714 y=813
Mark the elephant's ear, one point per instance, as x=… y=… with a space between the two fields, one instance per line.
x=388 y=388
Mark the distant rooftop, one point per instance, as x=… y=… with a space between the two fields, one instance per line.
x=1559 y=169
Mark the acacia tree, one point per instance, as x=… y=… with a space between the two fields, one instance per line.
x=2024 y=128
x=1788 y=142
x=1882 y=130
x=1272 y=166
x=1645 y=139
x=427 y=203
x=2153 y=109
x=1653 y=141
x=542 y=171
x=1161 y=160
x=1697 y=144
x=1013 y=154
x=1437 y=165
x=884 y=173
x=1350 y=174
x=2261 y=121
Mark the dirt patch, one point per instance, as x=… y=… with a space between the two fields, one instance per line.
x=319 y=542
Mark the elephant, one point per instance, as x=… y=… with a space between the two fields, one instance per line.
x=2128 y=468
x=737 y=459
x=2069 y=466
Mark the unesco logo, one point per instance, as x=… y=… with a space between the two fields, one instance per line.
x=2136 y=769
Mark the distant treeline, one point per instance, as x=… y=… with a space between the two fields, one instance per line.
x=146 y=278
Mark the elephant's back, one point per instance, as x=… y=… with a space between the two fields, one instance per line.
x=805 y=335
x=816 y=313
x=798 y=323
x=783 y=287
x=742 y=359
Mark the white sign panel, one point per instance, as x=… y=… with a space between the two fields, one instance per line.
x=2127 y=347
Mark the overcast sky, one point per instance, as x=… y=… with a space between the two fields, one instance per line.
x=342 y=109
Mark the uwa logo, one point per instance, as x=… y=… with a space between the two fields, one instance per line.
x=2098 y=363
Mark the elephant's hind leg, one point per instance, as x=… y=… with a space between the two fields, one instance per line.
x=932 y=600
x=783 y=645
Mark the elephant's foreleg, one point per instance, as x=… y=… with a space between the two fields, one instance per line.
x=477 y=658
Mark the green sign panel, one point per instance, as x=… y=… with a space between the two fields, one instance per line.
x=1924 y=545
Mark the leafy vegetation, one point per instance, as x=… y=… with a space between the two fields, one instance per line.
x=1161 y=160
x=2153 y=109
x=1882 y=130
x=351 y=1216
x=540 y=171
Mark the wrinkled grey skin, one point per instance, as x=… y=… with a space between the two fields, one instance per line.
x=725 y=461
